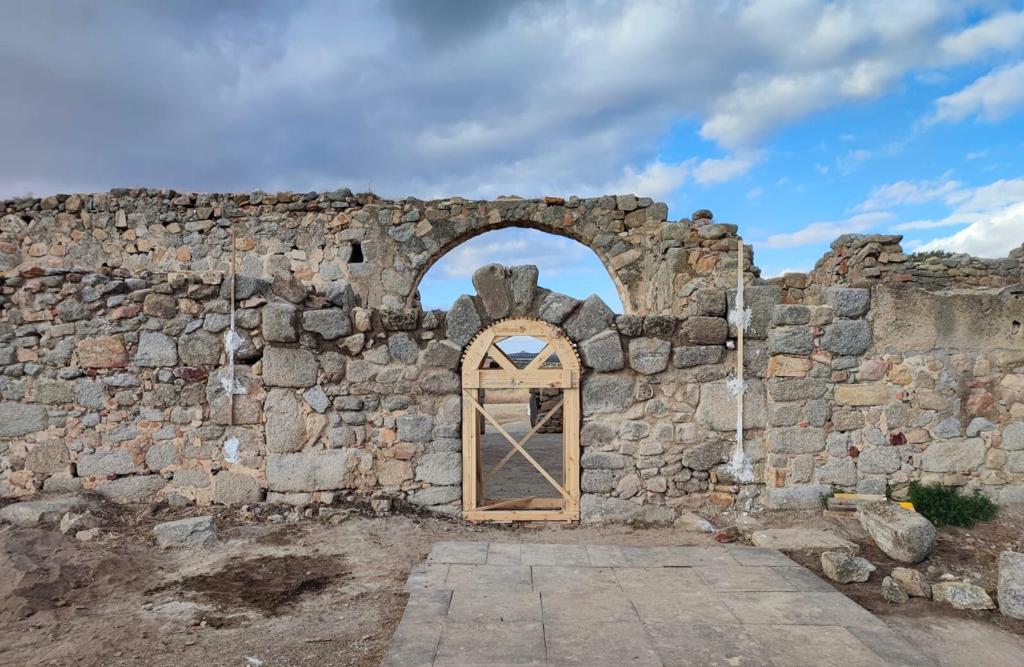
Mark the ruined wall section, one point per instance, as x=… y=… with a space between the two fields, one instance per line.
x=382 y=248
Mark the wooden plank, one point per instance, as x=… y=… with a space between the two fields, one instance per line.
x=498 y=378
x=496 y=353
x=522 y=515
x=469 y=444
x=533 y=432
x=541 y=357
x=571 y=446
x=526 y=454
x=514 y=503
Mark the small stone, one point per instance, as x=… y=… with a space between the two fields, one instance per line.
x=912 y=582
x=341 y=294
x=962 y=595
x=317 y=399
x=288 y=287
x=845 y=568
x=193 y=531
x=893 y=592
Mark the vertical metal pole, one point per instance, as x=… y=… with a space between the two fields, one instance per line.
x=740 y=314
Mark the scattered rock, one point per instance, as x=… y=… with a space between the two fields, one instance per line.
x=193 y=531
x=901 y=534
x=73 y=523
x=800 y=539
x=727 y=534
x=845 y=568
x=45 y=511
x=892 y=592
x=962 y=595
x=912 y=582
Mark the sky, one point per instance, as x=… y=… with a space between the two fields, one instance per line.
x=796 y=120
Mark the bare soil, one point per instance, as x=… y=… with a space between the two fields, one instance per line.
x=328 y=590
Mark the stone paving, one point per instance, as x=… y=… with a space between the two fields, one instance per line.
x=477 y=603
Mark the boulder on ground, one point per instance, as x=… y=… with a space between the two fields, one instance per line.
x=1011 y=584
x=843 y=567
x=32 y=513
x=962 y=595
x=801 y=539
x=912 y=582
x=194 y=531
x=893 y=592
x=901 y=534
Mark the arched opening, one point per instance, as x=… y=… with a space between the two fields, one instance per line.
x=565 y=265
x=527 y=467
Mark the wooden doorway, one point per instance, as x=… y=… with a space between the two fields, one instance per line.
x=556 y=368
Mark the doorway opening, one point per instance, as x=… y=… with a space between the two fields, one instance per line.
x=520 y=424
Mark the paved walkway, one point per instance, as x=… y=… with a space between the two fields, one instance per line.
x=477 y=603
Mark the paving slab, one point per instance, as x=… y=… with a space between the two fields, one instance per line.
x=485 y=604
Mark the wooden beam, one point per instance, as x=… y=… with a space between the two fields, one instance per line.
x=498 y=354
x=539 y=360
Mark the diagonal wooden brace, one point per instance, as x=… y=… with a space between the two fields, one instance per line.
x=540 y=424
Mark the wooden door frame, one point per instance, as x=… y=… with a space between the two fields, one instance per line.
x=475 y=507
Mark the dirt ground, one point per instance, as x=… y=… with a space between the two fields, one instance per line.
x=327 y=589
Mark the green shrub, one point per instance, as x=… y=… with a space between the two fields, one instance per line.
x=946 y=506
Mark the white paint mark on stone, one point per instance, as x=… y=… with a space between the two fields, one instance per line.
x=231 y=451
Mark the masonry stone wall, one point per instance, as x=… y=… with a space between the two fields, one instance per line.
x=113 y=364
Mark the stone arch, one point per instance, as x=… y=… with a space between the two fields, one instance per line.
x=614 y=268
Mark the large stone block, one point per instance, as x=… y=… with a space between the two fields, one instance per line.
x=790 y=314
x=286 y=425
x=106 y=462
x=803 y=497
x=701 y=330
x=247 y=403
x=341 y=294
x=440 y=468
x=156 y=350
x=442 y=354
x=706 y=456
x=132 y=489
x=717 y=407
x=958 y=455
x=523 y=286
x=790 y=340
x=649 y=355
x=280 y=323
x=847 y=337
x=880 y=460
x=556 y=307
x=603 y=460
x=415 y=428
x=102 y=351
x=796 y=440
x=605 y=393
x=462 y=321
x=848 y=301
x=696 y=355
x=491 y=286
x=1013 y=436
x=330 y=323
x=592 y=317
x=761 y=300
x=189 y=532
x=862 y=394
x=48 y=457
x=288 y=367
x=440 y=381
x=318 y=470
x=17 y=419
x=200 y=348
x=901 y=534
x=603 y=352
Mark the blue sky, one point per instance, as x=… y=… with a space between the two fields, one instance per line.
x=797 y=120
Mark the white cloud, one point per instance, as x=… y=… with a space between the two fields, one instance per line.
x=657 y=179
x=991 y=97
x=1003 y=32
x=818 y=232
x=993 y=236
x=720 y=170
x=974 y=205
x=755 y=192
x=908 y=192
x=552 y=255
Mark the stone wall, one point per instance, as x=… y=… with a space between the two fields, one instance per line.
x=113 y=368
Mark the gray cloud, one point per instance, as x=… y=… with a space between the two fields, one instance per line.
x=424 y=98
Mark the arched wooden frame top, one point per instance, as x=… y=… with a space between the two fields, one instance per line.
x=476 y=506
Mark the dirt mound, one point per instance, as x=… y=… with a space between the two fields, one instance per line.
x=269 y=584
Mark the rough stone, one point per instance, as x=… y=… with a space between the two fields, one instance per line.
x=847 y=301
x=106 y=462
x=701 y=330
x=416 y=428
x=403 y=348
x=901 y=534
x=17 y=419
x=440 y=468
x=523 y=286
x=862 y=394
x=131 y=489
x=592 y=317
x=156 y=350
x=847 y=337
x=803 y=497
x=790 y=314
x=305 y=472
x=717 y=407
x=1013 y=436
x=801 y=539
x=893 y=592
x=696 y=355
x=556 y=307
x=606 y=393
x=796 y=440
x=962 y=595
x=285 y=425
x=280 y=323
x=959 y=455
x=287 y=367
x=200 y=348
x=1011 y=584
x=329 y=323
x=236 y=489
x=189 y=532
x=102 y=352
x=843 y=567
x=912 y=582
x=790 y=340
x=341 y=294
x=649 y=355
x=880 y=460
x=41 y=512
x=603 y=352
x=705 y=456
x=161 y=455
x=441 y=354
x=492 y=288
x=462 y=322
